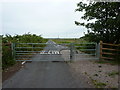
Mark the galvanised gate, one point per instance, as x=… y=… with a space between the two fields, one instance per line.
x=86 y=51
x=51 y=51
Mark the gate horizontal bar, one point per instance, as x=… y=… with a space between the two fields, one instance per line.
x=28 y=51
x=24 y=55
x=44 y=43
x=43 y=60
x=87 y=49
x=84 y=46
x=85 y=43
x=23 y=60
x=85 y=54
x=30 y=43
x=88 y=58
x=64 y=44
x=29 y=47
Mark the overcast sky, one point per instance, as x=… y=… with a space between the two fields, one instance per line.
x=49 y=18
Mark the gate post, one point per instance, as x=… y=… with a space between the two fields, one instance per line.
x=101 y=45
x=98 y=51
x=13 y=50
x=71 y=51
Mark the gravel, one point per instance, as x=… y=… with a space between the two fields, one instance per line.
x=97 y=72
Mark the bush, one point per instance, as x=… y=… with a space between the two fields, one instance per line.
x=7 y=59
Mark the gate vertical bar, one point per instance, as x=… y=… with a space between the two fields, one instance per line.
x=12 y=49
x=14 y=54
x=96 y=48
x=71 y=51
x=98 y=51
x=101 y=45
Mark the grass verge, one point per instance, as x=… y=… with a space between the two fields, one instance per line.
x=112 y=62
x=98 y=84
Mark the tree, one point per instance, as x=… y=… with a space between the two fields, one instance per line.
x=107 y=19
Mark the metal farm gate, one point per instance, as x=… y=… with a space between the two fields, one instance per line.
x=51 y=51
x=40 y=52
x=86 y=51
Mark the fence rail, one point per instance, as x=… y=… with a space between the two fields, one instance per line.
x=109 y=50
x=101 y=50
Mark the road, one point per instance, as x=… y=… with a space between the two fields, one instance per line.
x=51 y=53
x=46 y=75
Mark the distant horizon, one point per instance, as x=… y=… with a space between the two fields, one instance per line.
x=45 y=37
x=40 y=35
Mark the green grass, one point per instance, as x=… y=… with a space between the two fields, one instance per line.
x=112 y=62
x=60 y=41
x=98 y=84
x=113 y=73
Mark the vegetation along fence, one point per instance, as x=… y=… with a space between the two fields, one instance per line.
x=7 y=57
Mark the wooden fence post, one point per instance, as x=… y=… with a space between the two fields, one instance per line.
x=101 y=46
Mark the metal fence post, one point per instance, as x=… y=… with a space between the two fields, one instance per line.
x=71 y=51
x=13 y=50
x=98 y=51
x=101 y=46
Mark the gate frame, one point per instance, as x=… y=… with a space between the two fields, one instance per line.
x=14 y=51
x=71 y=45
x=97 y=50
x=13 y=45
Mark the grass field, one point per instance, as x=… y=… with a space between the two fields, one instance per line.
x=59 y=41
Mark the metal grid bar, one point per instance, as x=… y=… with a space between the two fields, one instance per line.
x=84 y=46
x=87 y=54
x=87 y=49
x=30 y=43
x=28 y=51
x=23 y=60
x=29 y=47
x=86 y=43
x=24 y=55
x=90 y=58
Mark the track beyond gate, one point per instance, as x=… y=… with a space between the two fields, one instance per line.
x=51 y=51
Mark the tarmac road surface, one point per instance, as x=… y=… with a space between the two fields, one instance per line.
x=51 y=53
x=46 y=75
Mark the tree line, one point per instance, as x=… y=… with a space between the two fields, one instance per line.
x=106 y=25
x=25 y=38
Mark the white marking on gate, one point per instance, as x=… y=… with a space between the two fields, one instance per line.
x=50 y=52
